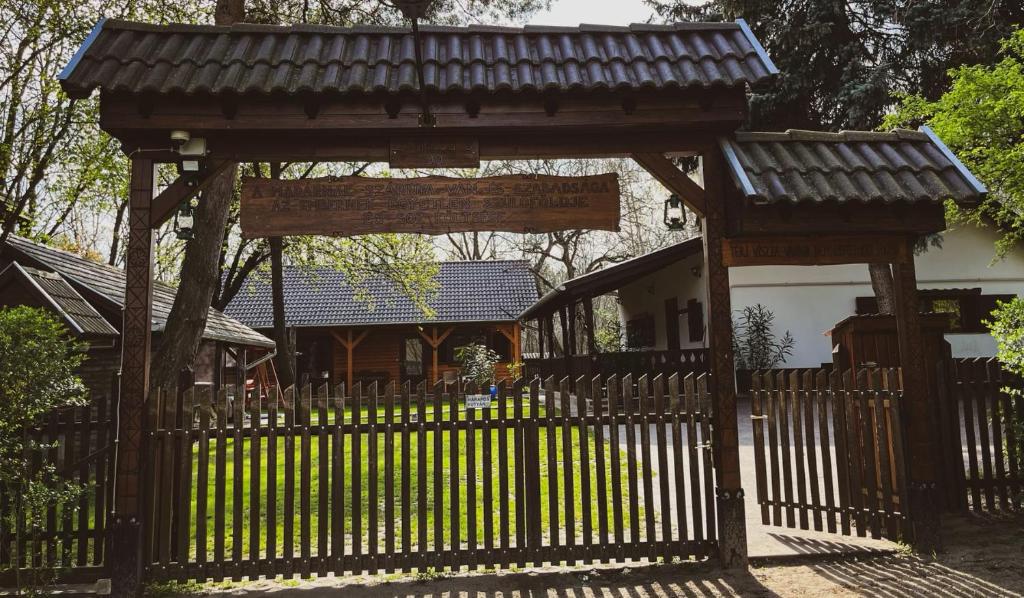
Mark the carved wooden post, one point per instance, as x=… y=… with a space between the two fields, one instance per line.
x=732 y=531
x=923 y=490
x=126 y=520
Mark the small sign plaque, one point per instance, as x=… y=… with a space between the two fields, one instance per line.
x=435 y=205
x=802 y=250
x=422 y=152
x=478 y=401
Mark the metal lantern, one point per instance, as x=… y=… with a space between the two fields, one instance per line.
x=675 y=214
x=185 y=219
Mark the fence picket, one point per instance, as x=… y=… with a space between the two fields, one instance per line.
x=821 y=394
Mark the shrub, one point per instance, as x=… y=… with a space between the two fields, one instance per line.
x=477 y=363
x=37 y=375
x=755 y=346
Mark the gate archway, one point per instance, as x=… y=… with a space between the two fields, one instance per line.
x=257 y=93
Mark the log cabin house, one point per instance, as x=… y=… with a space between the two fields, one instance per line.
x=340 y=337
x=88 y=297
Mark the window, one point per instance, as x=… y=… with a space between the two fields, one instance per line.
x=968 y=308
x=640 y=331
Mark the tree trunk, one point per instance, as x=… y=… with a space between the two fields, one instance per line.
x=885 y=289
x=197 y=283
x=285 y=360
x=200 y=268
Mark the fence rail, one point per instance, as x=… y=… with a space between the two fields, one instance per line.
x=834 y=452
x=401 y=479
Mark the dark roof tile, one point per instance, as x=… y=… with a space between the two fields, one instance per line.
x=109 y=282
x=64 y=299
x=797 y=166
x=478 y=291
x=193 y=59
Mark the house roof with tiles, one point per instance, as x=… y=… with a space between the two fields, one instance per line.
x=467 y=291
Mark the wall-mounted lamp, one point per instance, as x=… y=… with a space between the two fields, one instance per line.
x=675 y=215
x=184 y=220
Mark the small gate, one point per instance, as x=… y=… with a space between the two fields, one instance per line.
x=828 y=451
x=393 y=478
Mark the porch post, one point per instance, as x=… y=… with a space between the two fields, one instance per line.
x=125 y=550
x=922 y=485
x=349 y=348
x=732 y=530
x=588 y=314
x=540 y=338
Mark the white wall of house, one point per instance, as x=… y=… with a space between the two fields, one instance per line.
x=809 y=300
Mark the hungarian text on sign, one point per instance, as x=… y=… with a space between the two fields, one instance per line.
x=821 y=250
x=347 y=206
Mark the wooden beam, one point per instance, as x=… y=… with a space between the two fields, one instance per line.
x=675 y=180
x=183 y=189
x=350 y=344
x=919 y=414
x=588 y=314
x=732 y=536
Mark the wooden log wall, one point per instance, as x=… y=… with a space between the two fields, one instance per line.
x=396 y=478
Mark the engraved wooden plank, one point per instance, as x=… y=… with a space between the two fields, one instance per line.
x=434 y=152
x=349 y=206
x=814 y=250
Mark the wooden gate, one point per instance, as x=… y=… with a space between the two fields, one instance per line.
x=390 y=478
x=828 y=451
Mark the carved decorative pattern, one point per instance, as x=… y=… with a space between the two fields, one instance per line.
x=135 y=348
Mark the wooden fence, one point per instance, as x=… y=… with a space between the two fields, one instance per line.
x=409 y=479
x=69 y=541
x=834 y=452
x=983 y=443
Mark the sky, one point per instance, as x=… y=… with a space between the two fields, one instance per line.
x=593 y=12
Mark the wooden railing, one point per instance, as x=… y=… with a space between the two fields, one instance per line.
x=409 y=479
x=636 y=363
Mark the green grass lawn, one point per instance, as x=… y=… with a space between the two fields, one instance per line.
x=321 y=465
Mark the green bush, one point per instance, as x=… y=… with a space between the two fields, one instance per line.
x=37 y=375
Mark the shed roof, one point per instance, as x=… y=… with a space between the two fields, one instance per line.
x=810 y=166
x=52 y=289
x=471 y=291
x=849 y=166
x=123 y=56
x=108 y=283
x=611 y=278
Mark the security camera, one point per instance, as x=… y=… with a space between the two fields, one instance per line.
x=179 y=138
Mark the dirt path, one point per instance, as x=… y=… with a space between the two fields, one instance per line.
x=983 y=558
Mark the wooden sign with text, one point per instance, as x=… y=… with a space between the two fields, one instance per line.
x=423 y=152
x=348 y=206
x=799 y=250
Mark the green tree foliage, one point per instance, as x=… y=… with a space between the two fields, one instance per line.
x=981 y=118
x=477 y=363
x=754 y=343
x=37 y=375
x=1007 y=327
x=842 y=62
